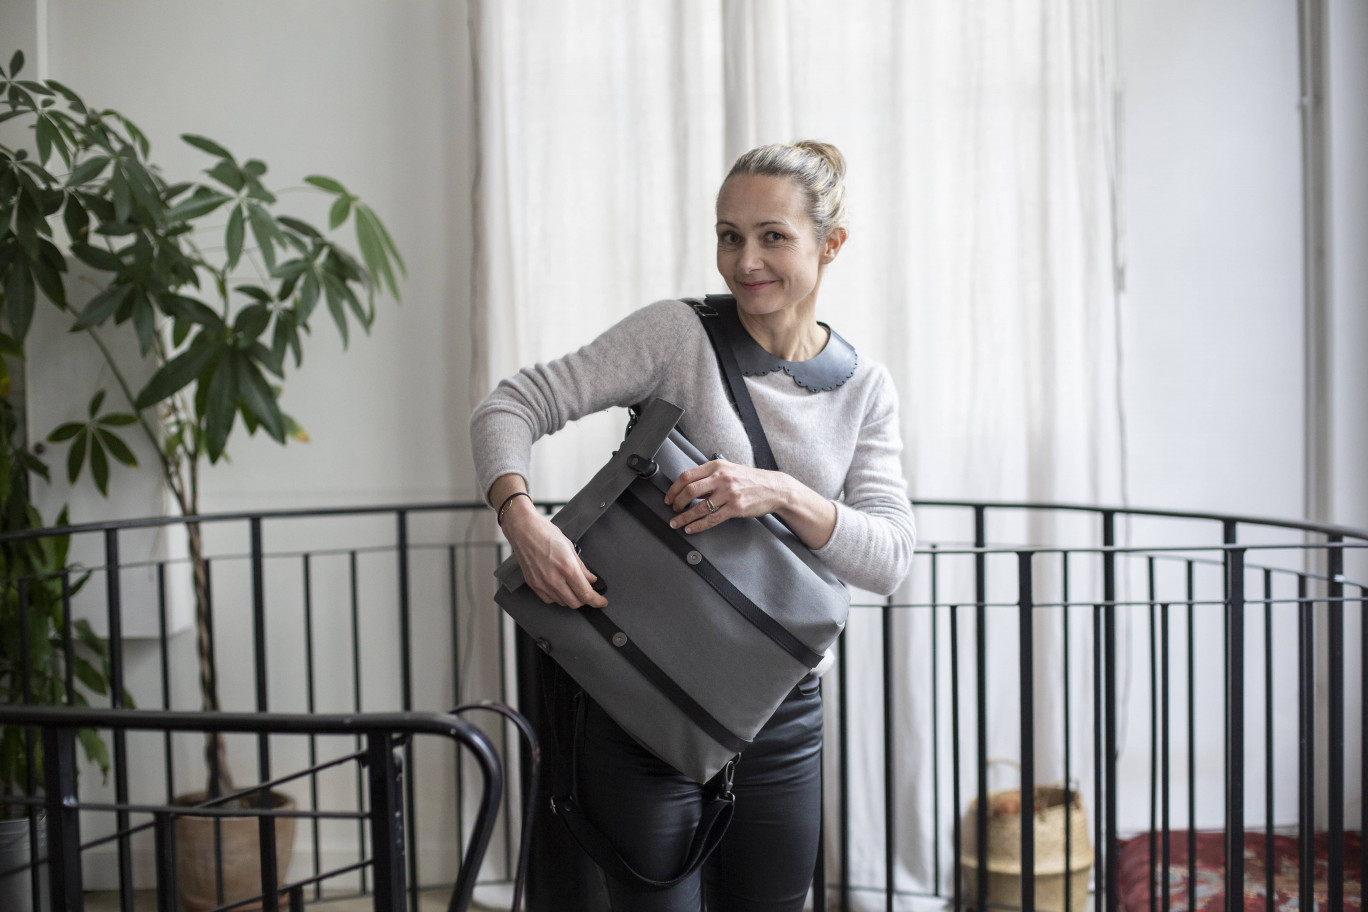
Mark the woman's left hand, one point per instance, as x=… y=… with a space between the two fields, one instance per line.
x=719 y=490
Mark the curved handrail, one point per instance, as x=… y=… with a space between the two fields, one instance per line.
x=1328 y=529
x=398 y=723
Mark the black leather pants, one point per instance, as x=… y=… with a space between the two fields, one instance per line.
x=650 y=811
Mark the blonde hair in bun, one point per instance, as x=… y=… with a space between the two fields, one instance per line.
x=818 y=167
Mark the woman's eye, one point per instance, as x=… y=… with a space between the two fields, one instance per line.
x=729 y=238
x=773 y=237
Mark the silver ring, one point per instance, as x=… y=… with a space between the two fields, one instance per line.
x=711 y=508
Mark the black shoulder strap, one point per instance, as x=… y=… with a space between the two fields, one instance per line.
x=713 y=311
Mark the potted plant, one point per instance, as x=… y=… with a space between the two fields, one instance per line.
x=214 y=284
x=46 y=657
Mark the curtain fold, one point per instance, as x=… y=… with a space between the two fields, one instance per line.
x=979 y=270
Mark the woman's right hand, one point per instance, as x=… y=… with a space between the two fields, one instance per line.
x=548 y=559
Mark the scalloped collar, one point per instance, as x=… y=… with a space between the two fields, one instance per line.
x=831 y=367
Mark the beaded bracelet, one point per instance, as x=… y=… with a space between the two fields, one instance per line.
x=508 y=500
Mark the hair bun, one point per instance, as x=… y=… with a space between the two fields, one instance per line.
x=827 y=152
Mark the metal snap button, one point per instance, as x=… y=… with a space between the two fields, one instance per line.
x=619 y=639
x=544 y=644
x=694 y=557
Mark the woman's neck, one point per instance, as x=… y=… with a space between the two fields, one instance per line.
x=787 y=334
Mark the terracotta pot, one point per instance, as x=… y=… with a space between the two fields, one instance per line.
x=196 y=861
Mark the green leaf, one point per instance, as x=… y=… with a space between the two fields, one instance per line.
x=49 y=279
x=177 y=373
x=65 y=432
x=265 y=232
x=99 y=466
x=103 y=306
x=255 y=292
x=252 y=321
x=96 y=401
x=221 y=406
x=204 y=144
x=90 y=676
x=300 y=227
x=76 y=455
x=10 y=346
x=76 y=219
x=341 y=208
x=118 y=419
x=259 y=398
x=44 y=132
x=191 y=310
x=117 y=448
x=202 y=202
x=97 y=257
x=233 y=238
x=179 y=330
x=16 y=63
x=72 y=98
x=19 y=298
x=87 y=170
x=227 y=173
x=335 y=307
x=144 y=321
x=95 y=750
x=325 y=183
x=123 y=194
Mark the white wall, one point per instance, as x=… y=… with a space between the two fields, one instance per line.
x=1211 y=213
x=375 y=95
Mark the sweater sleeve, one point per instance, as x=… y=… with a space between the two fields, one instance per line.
x=620 y=367
x=871 y=546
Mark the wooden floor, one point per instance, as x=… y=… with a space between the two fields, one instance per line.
x=428 y=901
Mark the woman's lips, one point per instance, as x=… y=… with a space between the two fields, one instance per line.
x=752 y=286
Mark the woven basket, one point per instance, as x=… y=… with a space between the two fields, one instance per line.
x=1058 y=810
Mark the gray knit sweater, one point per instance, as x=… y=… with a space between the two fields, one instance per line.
x=844 y=444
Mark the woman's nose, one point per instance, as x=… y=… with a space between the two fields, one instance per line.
x=750 y=259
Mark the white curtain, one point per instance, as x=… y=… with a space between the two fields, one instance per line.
x=979 y=265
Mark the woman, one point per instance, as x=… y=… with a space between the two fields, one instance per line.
x=831 y=420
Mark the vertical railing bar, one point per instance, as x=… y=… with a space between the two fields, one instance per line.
x=1154 y=727
x=1071 y=795
x=1165 y=729
x=30 y=734
x=353 y=581
x=1234 y=689
x=386 y=821
x=981 y=699
x=843 y=736
x=502 y=628
x=68 y=641
x=406 y=682
x=1363 y=728
x=1026 y=646
x=65 y=889
x=1306 y=728
x=956 y=832
x=1191 y=721
x=211 y=653
x=114 y=607
x=164 y=641
x=311 y=701
x=890 y=802
x=453 y=588
x=259 y=653
x=1269 y=894
x=1100 y=770
x=935 y=727
x=1112 y=847
x=1335 y=721
x=164 y=842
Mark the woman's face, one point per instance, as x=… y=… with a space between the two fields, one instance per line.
x=767 y=247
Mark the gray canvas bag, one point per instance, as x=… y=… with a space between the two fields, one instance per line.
x=704 y=635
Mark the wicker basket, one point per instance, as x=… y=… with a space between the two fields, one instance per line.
x=1058 y=810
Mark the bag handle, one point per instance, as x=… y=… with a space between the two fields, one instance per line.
x=713 y=310
x=630 y=462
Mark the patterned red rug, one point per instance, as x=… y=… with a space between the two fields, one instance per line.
x=1136 y=875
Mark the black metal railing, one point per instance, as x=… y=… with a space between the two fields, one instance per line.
x=381 y=814
x=1118 y=650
